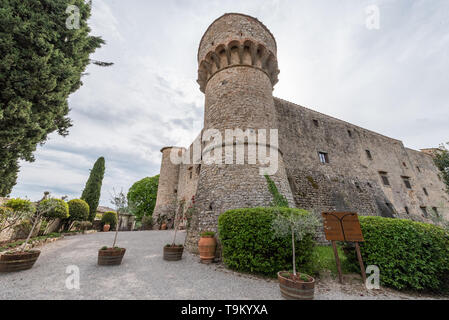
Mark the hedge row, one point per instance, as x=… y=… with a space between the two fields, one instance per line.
x=249 y=245
x=409 y=254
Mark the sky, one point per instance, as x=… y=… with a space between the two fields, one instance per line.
x=389 y=75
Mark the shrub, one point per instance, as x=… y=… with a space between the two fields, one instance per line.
x=54 y=208
x=410 y=255
x=78 y=210
x=142 y=196
x=208 y=234
x=147 y=223
x=92 y=190
x=110 y=218
x=249 y=243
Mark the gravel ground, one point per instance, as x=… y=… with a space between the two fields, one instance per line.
x=143 y=274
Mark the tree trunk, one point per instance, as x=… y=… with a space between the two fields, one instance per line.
x=31 y=232
x=116 y=231
x=294 y=257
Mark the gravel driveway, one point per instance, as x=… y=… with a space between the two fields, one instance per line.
x=143 y=274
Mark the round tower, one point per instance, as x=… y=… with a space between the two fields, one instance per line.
x=167 y=191
x=237 y=71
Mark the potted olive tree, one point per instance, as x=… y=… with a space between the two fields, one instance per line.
x=297 y=224
x=108 y=256
x=22 y=258
x=173 y=251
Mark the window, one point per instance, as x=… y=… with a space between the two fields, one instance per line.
x=404 y=164
x=406 y=210
x=357 y=185
x=425 y=191
x=418 y=168
x=407 y=182
x=190 y=174
x=349 y=133
x=424 y=211
x=435 y=210
x=315 y=122
x=176 y=190
x=390 y=206
x=384 y=178
x=368 y=155
x=324 y=157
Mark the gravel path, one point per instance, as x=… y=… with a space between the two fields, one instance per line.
x=143 y=274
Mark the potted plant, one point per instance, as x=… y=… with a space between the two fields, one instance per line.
x=206 y=246
x=173 y=251
x=23 y=258
x=108 y=256
x=109 y=220
x=297 y=224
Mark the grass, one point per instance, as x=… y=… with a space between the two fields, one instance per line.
x=20 y=242
x=324 y=260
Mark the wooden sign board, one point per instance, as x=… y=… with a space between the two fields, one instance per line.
x=342 y=226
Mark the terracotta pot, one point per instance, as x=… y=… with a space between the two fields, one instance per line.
x=206 y=247
x=111 y=256
x=164 y=226
x=18 y=261
x=295 y=289
x=106 y=227
x=173 y=253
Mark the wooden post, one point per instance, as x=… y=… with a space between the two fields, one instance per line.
x=337 y=259
x=359 y=257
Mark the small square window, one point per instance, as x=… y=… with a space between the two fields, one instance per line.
x=384 y=178
x=407 y=182
x=435 y=210
x=424 y=211
x=316 y=123
x=324 y=157
x=425 y=191
x=368 y=155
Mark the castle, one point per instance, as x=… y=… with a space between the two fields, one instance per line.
x=322 y=163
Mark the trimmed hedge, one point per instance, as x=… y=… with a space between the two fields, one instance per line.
x=110 y=218
x=78 y=210
x=409 y=254
x=60 y=208
x=249 y=245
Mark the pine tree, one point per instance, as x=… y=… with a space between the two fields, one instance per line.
x=41 y=64
x=92 y=190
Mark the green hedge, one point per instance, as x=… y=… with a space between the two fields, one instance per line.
x=249 y=245
x=78 y=210
x=410 y=255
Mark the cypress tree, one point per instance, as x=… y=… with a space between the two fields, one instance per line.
x=92 y=190
x=41 y=64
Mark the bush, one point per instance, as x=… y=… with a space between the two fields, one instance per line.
x=110 y=218
x=54 y=208
x=410 y=255
x=147 y=223
x=142 y=196
x=78 y=210
x=249 y=243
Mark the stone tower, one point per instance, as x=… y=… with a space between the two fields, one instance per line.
x=237 y=71
x=168 y=186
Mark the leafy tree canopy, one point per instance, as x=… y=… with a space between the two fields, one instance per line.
x=41 y=63
x=142 y=196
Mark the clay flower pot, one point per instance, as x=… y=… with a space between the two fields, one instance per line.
x=301 y=287
x=173 y=253
x=164 y=226
x=17 y=261
x=206 y=247
x=110 y=256
x=106 y=227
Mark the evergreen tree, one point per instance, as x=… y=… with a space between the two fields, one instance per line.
x=92 y=190
x=42 y=61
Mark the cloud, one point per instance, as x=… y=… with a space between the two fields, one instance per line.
x=392 y=81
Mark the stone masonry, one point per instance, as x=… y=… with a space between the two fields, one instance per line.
x=323 y=163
